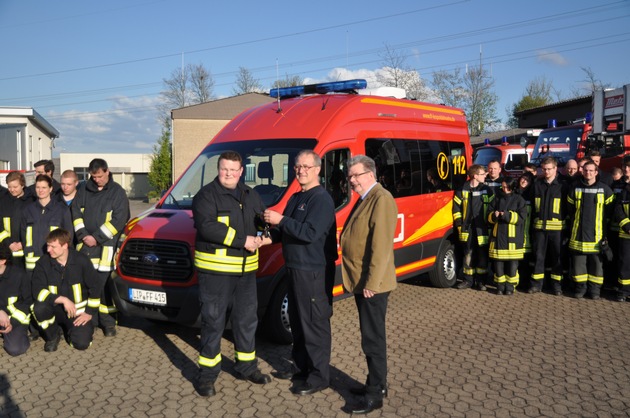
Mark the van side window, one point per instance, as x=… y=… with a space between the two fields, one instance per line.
x=408 y=167
x=333 y=176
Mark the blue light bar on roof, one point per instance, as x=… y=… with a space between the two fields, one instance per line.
x=321 y=88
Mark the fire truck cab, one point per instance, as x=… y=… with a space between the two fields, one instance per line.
x=513 y=157
x=605 y=130
x=155 y=276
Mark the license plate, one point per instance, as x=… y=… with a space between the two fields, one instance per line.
x=147 y=296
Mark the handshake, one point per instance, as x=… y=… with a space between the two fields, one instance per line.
x=254 y=243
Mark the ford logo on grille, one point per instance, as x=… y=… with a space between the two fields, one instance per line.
x=151 y=259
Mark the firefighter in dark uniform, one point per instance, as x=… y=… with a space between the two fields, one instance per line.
x=548 y=219
x=470 y=213
x=590 y=203
x=100 y=210
x=227 y=216
x=15 y=303
x=66 y=293
x=526 y=190
x=12 y=206
x=611 y=268
x=622 y=217
x=307 y=230
x=506 y=214
x=39 y=218
x=494 y=177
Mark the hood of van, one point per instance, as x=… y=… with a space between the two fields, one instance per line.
x=167 y=224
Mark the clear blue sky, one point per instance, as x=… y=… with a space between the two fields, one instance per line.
x=95 y=69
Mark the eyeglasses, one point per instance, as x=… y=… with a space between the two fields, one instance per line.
x=354 y=176
x=303 y=167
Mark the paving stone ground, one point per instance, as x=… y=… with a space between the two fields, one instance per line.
x=452 y=353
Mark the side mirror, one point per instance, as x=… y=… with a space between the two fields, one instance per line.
x=524 y=142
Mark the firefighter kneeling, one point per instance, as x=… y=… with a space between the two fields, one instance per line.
x=66 y=293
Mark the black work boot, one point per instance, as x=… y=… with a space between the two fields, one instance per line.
x=53 y=344
x=580 y=290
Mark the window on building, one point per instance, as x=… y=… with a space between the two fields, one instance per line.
x=82 y=173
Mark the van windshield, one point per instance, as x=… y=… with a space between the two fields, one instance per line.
x=559 y=143
x=484 y=155
x=267 y=168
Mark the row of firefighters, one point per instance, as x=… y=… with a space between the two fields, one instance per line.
x=542 y=227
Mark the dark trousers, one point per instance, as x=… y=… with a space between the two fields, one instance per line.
x=372 y=312
x=624 y=267
x=217 y=295
x=80 y=336
x=107 y=310
x=506 y=274
x=548 y=247
x=309 y=314
x=16 y=342
x=588 y=273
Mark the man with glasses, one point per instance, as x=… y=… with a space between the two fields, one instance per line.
x=226 y=213
x=309 y=246
x=470 y=212
x=369 y=273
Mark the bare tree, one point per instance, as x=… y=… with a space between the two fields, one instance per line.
x=593 y=82
x=246 y=83
x=188 y=85
x=201 y=84
x=396 y=73
x=481 y=101
x=288 y=81
x=448 y=86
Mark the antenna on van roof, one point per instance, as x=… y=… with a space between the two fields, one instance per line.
x=278 y=84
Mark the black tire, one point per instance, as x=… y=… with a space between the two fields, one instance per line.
x=445 y=272
x=277 y=327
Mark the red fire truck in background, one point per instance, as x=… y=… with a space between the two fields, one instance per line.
x=155 y=276
x=605 y=129
x=513 y=157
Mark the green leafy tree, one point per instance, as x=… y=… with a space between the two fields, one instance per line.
x=160 y=176
x=537 y=93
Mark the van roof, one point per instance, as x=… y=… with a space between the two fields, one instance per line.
x=311 y=116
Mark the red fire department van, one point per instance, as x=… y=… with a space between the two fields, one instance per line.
x=155 y=277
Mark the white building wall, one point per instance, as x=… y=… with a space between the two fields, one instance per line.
x=129 y=170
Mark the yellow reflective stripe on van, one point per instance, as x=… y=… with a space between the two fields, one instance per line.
x=412 y=105
x=209 y=362
x=78 y=224
x=240 y=356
